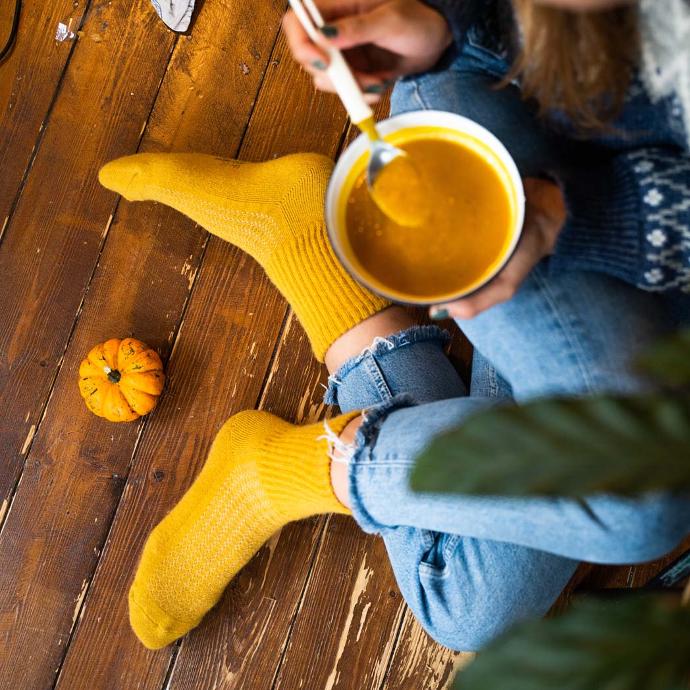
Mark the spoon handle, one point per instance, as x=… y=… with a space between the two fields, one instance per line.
x=347 y=87
x=339 y=71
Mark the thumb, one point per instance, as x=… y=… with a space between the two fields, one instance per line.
x=357 y=29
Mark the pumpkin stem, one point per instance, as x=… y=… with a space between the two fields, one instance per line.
x=114 y=376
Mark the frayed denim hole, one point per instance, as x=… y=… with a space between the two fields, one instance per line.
x=380 y=346
x=364 y=442
x=367 y=434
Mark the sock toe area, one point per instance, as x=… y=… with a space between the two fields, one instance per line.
x=151 y=624
x=126 y=176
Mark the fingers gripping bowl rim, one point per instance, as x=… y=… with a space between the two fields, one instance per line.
x=406 y=127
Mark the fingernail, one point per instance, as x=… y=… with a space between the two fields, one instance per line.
x=439 y=314
x=329 y=30
x=374 y=88
x=318 y=64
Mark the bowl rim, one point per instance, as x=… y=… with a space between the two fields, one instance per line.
x=413 y=119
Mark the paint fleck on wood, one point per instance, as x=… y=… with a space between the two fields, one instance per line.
x=79 y=600
x=28 y=439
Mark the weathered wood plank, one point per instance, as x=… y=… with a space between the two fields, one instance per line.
x=352 y=610
x=240 y=643
x=53 y=240
x=144 y=277
x=419 y=662
x=177 y=439
x=218 y=367
x=28 y=80
x=47 y=260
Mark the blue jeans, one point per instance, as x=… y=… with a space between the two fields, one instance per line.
x=469 y=567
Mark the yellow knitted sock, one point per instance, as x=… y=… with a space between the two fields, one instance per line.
x=273 y=211
x=261 y=473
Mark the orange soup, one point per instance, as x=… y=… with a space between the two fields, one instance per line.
x=465 y=235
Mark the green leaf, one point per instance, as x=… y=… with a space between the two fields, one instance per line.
x=558 y=447
x=638 y=643
x=669 y=360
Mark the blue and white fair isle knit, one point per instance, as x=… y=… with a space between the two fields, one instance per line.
x=629 y=215
x=632 y=218
x=633 y=221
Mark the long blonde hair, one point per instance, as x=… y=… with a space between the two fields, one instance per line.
x=579 y=63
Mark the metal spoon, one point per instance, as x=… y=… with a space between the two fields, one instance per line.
x=381 y=154
x=394 y=182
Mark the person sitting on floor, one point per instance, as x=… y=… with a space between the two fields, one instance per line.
x=577 y=301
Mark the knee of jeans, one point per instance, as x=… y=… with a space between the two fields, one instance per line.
x=635 y=531
x=466 y=592
x=465 y=613
x=468 y=623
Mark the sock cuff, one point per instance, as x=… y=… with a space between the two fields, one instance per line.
x=309 y=491
x=327 y=301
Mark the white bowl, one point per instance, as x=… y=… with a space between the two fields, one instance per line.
x=419 y=118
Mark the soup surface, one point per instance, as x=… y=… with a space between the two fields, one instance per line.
x=463 y=238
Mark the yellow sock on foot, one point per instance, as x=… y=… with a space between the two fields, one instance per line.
x=274 y=211
x=261 y=473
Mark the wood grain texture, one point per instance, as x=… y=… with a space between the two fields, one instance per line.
x=56 y=232
x=73 y=472
x=418 y=662
x=240 y=643
x=166 y=250
x=352 y=591
x=28 y=80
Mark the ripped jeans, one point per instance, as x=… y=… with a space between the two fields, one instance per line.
x=467 y=566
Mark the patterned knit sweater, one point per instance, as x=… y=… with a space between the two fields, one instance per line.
x=631 y=216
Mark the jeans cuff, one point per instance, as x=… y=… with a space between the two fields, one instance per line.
x=410 y=336
x=365 y=440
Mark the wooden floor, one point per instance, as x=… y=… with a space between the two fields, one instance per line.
x=318 y=606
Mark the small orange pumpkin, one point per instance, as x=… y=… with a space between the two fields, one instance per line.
x=121 y=379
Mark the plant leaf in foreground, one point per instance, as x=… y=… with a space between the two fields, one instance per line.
x=564 y=447
x=638 y=643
